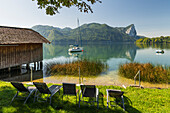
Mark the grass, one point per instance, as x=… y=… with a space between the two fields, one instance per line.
x=136 y=101
x=149 y=72
x=87 y=68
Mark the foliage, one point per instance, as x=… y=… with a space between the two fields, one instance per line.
x=154 y=45
x=136 y=101
x=87 y=68
x=52 y=6
x=161 y=39
x=149 y=73
x=93 y=32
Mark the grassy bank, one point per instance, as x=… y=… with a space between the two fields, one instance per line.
x=136 y=101
x=149 y=72
x=87 y=68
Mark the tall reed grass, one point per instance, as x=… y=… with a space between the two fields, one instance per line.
x=87 y=68
x=149 y=72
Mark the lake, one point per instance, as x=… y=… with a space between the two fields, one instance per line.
x=113 y=54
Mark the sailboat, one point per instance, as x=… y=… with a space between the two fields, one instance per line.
x=76 y=47
x=159 y=51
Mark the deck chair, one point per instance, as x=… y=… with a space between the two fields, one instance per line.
x=89 y=91
x=116 y=94
x=21 y=88
x=70 y=89
x=42 y=88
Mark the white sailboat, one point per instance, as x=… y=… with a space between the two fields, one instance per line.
x=159 y=51
x=76 y=47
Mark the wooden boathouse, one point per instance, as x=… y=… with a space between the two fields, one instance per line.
x=20 y=46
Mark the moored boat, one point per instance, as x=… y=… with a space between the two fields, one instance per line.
x=159 y=51
x=75 y=48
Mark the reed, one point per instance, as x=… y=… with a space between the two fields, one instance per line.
x=149 y=72
x=87 y=68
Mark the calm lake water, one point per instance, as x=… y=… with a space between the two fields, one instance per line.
x=113 y=54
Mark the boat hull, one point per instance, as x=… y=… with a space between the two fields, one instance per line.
x=75 y=50
x=159 y=51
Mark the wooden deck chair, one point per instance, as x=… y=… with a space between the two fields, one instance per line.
x=89 y=91
x=116 y=94
x=22 y=89
x=42 y=88
x=70 y=89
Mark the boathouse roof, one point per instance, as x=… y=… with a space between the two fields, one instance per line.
x=14 y=35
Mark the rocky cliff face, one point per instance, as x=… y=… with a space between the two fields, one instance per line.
x=130 y=30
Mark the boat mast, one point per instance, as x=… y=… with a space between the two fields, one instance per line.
x=79 y=33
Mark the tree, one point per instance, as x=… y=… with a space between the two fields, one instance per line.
x=52 y=6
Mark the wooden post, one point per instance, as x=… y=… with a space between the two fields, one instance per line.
x=41 y=65
x=79 y=76
x=27 y=67
x=38 y=65
x=9 y=71
x=31 y=74
x=139 y=77
x=20 y=67
x=34 y=66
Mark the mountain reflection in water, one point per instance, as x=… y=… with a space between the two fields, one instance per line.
x=113 y=54
x=94 y=51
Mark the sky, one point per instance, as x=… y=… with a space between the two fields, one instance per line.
x=150 y=17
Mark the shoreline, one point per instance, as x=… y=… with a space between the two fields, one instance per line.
x=95 y=81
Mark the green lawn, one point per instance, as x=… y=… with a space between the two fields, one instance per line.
x=136 y=101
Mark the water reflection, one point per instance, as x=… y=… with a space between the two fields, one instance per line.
x=75 y=54
x=155 y=45
x=94 y=51
x=113 y=54
x=159 y=53
x=21 y=75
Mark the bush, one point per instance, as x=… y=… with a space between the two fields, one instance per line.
x=87 y=68
x=149 y=73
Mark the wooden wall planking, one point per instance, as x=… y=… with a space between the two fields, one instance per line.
x=20 y=54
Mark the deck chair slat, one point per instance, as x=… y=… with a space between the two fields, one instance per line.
x=70 y=89
x=89 y=91
x=21 y=88
x=42 y=88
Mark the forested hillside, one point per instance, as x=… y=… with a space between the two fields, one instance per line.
x=93 y=32
x=161 y=39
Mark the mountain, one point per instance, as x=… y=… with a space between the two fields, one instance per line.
x=92 y=32
x=130 y=30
